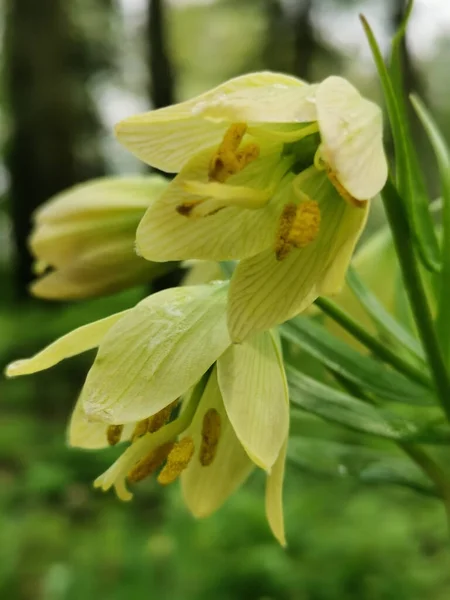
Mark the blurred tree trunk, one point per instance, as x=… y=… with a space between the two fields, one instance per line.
x=161 y=76
x=40 y=156
x=45 y=92
x=305 y=45
x=291 y=44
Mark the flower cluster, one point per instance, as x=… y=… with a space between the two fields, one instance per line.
x=271 y=172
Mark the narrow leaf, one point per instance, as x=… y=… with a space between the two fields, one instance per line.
x=442 y=153
x=382 y=319
x=365 y=371
x=408 y=173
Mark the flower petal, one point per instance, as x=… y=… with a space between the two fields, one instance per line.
x=229 y=234
x=275 y=103
x=167 y=138
x=77 y=341
x=274 y=497
x=254 y=390
x=93 y=213
x=88 y=434
x=162 y=347
x=205 y=488
x=351 y=129
x=265 y=292
x=97 y=271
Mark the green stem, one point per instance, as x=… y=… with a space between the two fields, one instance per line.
x=434 y=472
x=372 y=343
x=402 y=235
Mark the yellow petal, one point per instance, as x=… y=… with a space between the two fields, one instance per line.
x=229 y=234
x=77 y=341
x=265 y=292
x=276 y=103
x=205 y=488
x=88 y=434
x=101 y=212
x=201 y=271
x=254 y=390
x=97 y=271
x=162 y=347
x=351 y=129
x=274 y=497
x=167 y=138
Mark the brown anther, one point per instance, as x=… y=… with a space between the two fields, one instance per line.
x=160 y=418
x=140 y=429
x=210 y=436
x=282 y=244
x=228 y=160
x=113 y=434
x=148 y=465
x=177 y=460
x=185 y=209
x=306 y=225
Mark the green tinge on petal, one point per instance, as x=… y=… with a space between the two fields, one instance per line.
x=351 y=128
x=157 y=352
x=90 y=435
x=274 y=497
x=201 y=271
x=97 y=272
x=229 y=234
x=100 y=214
x=205 y=488
x=167 y=138
x=254 y=390
x=77 y=341
x=265 y=292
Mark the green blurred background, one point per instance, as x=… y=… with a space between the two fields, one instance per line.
x=70 y=70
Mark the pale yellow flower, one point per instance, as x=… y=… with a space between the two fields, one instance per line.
x=272 y=172
x=174 y=348
x=83 y=239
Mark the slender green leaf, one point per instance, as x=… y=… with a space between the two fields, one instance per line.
x=368 y=465
x=409 y=177
x=339 y=407
x=442 y=153
x=365 y=371
x=382 y=319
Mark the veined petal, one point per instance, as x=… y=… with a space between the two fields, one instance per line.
x=162 y=347
x=77 y=341
x=254 y=390
x=167 y=138
x=99 y=213
x=351 y=129
x=88 y=434
x=230 y=233
x=275 y=103
x=205 y=488
x=265 y=292
x=274 y=497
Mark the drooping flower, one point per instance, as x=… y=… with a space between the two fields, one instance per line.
x=171 y=349
x=84 y=238
x=272 y=172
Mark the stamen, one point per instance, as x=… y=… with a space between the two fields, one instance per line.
x=343 y=193
x=148 y=465
x=177 y=460
x=210 y=436
x=306 y=224
x=140 y=429
x=113 y=434
x=157 y=421
x=282 y=244
x=228 y=160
